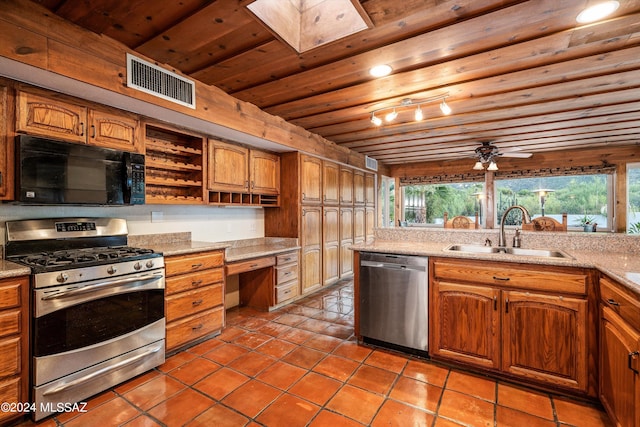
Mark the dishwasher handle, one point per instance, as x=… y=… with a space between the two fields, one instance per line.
x=391 y=266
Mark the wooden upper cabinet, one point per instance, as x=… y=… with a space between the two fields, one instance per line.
x=310 y=179
x=228 y=167
x=330 y=183
x=43 y=116
x=359 y=195
x=370 y=189
x=114 y=130
x=264 y=172
x=346 y=185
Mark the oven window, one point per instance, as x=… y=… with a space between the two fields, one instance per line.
x=96 y=321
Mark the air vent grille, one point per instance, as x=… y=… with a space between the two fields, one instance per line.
x=371 y=163
x=150 y=78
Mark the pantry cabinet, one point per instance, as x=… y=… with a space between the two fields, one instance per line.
x=6 y=145
x=619 y=353
x=45 y=114
x=330 y=183
x=514 y=319
x=311 y=243
x=331 y=245
x=194 y=297
x=310 y=180
x=14 y=344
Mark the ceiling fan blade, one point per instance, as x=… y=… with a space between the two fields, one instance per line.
x=516 y=154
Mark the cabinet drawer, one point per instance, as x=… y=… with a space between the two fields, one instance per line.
x=9 y=322
x=286 y=273
x=192 y=302
x=193 y=262
x=10 y=293
x=620 y=301
x=287 y=291
x=194 y=327
x=10 y=392
x=191 y=281
x=252 y=264
x=287 y=258
x=503 y=275
x=10 y=356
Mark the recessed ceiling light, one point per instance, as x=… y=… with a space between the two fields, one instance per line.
x=380 y=70
x=597 y=12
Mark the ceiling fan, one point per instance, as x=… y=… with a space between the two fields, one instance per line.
x=487 y=154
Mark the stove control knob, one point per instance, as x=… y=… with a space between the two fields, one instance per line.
x=137 y=266
x=149 y=264
x=62 y=277
x=112 y=270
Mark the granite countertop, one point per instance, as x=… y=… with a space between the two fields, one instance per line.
x=10 y=269
x=621 y=266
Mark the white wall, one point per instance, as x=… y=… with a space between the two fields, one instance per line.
x=206 y=223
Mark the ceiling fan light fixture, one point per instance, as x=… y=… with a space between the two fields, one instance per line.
x=418 y=115
x=478 y=166
x=391 y=116
x=375 y=120
x=444 y=107
x=597 y=12
x=492 y=166
x=380 y=70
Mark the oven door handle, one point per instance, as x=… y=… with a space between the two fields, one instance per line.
x=101 y=285
x=103 y=371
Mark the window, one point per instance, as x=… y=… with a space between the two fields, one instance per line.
x=387 y=201
x=582 y=197
x=426 y=204
x=633 y=198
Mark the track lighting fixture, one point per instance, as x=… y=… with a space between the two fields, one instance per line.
x=393 y=112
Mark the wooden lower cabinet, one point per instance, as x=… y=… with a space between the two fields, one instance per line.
x=14 y=347
x=619 y=354
x=495 y=318
x=194 y=297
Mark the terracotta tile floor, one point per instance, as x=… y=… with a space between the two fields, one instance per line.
x=300 y=366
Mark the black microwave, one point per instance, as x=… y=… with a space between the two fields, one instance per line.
x=50 y=172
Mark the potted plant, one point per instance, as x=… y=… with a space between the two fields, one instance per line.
x=588 y=223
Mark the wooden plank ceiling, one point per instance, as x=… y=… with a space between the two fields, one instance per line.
x=522 y=74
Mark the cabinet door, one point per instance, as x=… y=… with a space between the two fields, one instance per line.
x=330 y=183
x=359 y=227
x=544 y=338
x=370 y=222
x=118 y=131
x=264 y=171
x=39 y=115
x=311 y=242
x=359 y=194
x=6 y=147
x=228 y=167
x=331 y=245
x=619 y=370
x=346 y=240
x=465 y=323
x=310 y=179
x=346 y=186
x=370 y=189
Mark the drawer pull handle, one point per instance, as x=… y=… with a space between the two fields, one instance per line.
x=196 y=283
x=288 y=291
x=504 y=279
x=286 y=259
x=611 y=301
x=197 y=328
x=253 y=265
x=196 y=302
x=287 y=273
x=196 y=265
x=632 y=357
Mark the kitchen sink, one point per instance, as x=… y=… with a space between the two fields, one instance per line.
x=477 y=249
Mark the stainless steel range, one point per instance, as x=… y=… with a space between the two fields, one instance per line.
x=97 y=306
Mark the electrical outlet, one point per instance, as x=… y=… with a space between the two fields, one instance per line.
x=157 y=216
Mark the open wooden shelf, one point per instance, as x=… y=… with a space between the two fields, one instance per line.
x=243 y=199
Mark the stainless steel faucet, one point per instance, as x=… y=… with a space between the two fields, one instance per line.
x=526 y=219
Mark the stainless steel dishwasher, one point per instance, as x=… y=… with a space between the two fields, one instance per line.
x=394 y=300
